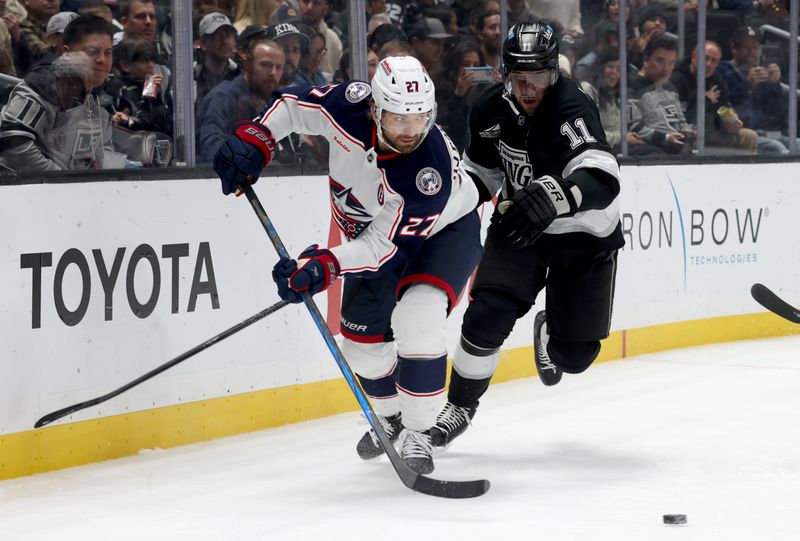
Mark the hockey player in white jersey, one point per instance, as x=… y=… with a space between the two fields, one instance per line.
x=406 y=209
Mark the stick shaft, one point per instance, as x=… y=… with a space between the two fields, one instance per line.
x=50 y=417
x=410 y=478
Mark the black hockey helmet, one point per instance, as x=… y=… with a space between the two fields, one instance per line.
x=530 y=46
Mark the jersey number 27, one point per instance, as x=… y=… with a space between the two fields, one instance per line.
x=418 y=227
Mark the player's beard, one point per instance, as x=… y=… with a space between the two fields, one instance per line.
x=404 y=144
x=528 y=104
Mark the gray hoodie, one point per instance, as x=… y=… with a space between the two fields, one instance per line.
x=38 y=134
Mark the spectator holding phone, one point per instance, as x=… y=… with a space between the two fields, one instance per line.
x=755 y=89
x=458 y=87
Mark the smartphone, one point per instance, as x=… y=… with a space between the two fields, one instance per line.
x=483 y=74
x=770 y=54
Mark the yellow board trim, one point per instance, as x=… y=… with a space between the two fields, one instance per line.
x=74 y=444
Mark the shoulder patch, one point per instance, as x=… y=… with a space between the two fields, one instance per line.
x=491 y=133
x=355 y=92
x=429 y=181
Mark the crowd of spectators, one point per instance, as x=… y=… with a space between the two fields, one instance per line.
x=89 y=83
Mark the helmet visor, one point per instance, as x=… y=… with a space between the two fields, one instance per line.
x=408 y=124
x=524 y=83
x=404 y=132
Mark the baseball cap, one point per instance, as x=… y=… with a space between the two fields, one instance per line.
x=745 y=32
x=59 y=22
x=384 y=33
x=287 y=14
x=213 y=22
x=283 y=30
x=429 y=27
x=250 y=32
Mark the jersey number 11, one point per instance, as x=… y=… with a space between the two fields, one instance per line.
x=576 y=140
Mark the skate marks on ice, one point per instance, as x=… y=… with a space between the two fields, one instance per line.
x=708 y=432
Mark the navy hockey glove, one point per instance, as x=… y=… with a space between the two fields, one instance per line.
x=243 y=155
x=281 y=272
x=533 y=208
x=318 y=269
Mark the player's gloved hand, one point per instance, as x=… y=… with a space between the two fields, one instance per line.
x=317 y=270
x=532 y=209
x=243 y=155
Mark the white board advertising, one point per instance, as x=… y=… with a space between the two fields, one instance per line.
x=698 y=236
x=103 y=281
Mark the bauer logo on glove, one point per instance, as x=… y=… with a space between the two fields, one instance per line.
x=317 y=270
x=260 y=135
x=243 y=155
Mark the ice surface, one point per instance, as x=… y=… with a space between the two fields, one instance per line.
x=710 y=432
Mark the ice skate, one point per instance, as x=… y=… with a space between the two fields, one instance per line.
x=548 y=372
x=451 y=422
x=369 y=446
x=416 y=450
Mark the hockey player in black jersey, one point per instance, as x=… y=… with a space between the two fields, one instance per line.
x=537 y=139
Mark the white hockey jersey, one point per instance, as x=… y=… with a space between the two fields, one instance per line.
x=386 y=205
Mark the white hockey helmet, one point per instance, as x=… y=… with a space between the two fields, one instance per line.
x=402 y=86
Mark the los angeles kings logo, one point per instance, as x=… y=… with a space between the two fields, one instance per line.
x=518 y=167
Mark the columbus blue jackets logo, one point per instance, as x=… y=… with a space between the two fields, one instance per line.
x=429 y=181
x=355 y=92
x=348 y=211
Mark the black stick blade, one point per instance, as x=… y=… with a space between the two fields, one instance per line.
x=63 y=412
x=410 y=478
x=450 y=489
x=769 y=300
x=425 y=485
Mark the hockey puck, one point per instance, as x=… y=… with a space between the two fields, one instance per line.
x=674 y=519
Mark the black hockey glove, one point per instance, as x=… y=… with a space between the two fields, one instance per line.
x=243 y=155
x=532 y=209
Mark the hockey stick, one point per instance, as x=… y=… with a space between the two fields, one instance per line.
x=410 y=478
x=63 y=412
x=769 y=300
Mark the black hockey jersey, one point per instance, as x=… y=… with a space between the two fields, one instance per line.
x=509 y=149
